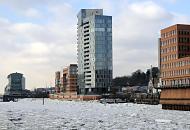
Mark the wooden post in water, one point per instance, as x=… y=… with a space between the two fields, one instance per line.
x=43 y=100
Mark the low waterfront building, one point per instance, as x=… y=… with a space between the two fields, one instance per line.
x=42 y=92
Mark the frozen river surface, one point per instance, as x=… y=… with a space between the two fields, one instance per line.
x=30 y=114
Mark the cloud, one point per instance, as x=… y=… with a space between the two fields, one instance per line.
x=38 y=49
x=149 y=10
x=32 y=13
x=180 y=18
x=170 y=1
x=23 y=4
x=135 y=34
x=4 y=22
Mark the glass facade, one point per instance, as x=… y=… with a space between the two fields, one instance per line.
x=16 y=82
x=94 y=51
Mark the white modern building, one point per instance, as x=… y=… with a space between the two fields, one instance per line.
x=94 y=51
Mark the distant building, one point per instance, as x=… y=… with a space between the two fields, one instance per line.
x=42 y=92
x=66 y=82
x=57 y=81
x=135 y=89
x=70 y=80
x=16 y=85
x=94 y=48
x=174 y=62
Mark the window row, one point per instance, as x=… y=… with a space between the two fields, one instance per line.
x=174 y=40
x=174 y=82
x=175 y=64
x=169 y=34
x=174 y=32
x=168 y=58
x=102 y=25
x=101 y=20
x=184 y=48
x=176 y=72
x=169 y=49
x=182 y=55
x=183 y=40
x=168 y=41
x=184 y=32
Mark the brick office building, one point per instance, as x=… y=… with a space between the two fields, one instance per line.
x=174 y=63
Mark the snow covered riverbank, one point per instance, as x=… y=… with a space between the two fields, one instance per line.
x=30 y=114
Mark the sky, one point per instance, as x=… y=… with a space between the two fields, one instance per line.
x=38 y=37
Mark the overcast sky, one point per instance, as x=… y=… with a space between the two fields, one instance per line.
x=38 y=37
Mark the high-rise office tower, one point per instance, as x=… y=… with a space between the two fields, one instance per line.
x=94 y=51
x=174 y=62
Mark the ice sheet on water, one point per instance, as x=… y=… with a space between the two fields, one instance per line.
x=31 y=114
